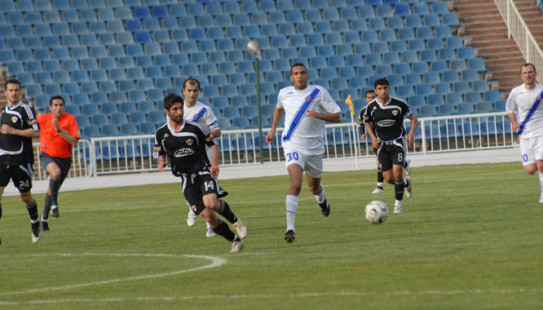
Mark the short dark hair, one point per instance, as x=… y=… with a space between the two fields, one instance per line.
x=381 y=82
x=369 y=91
x=11 y=81
x=170 y=99
x=55 y=98
x=298 y=64
x=191 y=81
x=528 y=64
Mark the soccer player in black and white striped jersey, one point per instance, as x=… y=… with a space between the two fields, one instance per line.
x=384 y=123
x=18 y=127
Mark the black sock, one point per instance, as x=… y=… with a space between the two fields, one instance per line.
x=54 y=186
x=0 y=210
x=33 y=211
x=223 y=230
x=46 y=207
x=398 y=188
x=226 y=212
x=380 y=178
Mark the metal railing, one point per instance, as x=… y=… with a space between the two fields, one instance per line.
x=134 y=154
x=519 y=31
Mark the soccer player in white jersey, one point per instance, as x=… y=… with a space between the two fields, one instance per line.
x=197 y=112
x=306 y=109
x=525 y=111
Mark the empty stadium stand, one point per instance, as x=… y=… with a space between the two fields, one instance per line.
x=113 y=58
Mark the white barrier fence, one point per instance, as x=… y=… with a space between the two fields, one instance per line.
x=134 y=154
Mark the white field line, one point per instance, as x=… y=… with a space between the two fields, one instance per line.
x=215 y=262
x=275 y=296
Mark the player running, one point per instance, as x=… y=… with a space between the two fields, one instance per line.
x=307 y=108
x=182 y=143
x=525 y=111
x=384 y=123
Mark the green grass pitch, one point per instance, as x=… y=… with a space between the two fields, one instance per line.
x=471 y=237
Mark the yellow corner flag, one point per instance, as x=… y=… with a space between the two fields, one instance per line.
x=349 y=101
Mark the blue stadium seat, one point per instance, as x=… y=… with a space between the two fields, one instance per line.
x=128 y=129
x=472 y=97
x=479 y=86
x=127 y=85
x=450 y=76
x=435 y=99
x=477 y=64
x=91 y=109
x=491 y=96
x=42 y=77
x=136 y=95
x=90 y=131
x=109 y=130
x=450 y=19
x=454 y=98
x=402 y=9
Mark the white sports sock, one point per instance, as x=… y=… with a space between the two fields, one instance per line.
x=292 y=207
x=321 y=197
x=541 y=181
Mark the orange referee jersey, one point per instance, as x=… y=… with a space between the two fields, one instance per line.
x=51 y=142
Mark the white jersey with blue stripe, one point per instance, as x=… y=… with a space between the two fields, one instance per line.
x=305 y=133
x=520 y=101
x=201 y=114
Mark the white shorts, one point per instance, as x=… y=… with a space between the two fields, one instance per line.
x=531 y=149
x=311 y=164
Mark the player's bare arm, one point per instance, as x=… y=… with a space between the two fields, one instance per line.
x=214 y=170
x=327 y=117
x=162 y=163
x=374 y=140
x=277 y=115
x=216 y=132
x=27 y=133
x=411 y=134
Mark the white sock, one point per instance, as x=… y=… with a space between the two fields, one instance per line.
x=398 y=203
x=292 y=207
x=208 y=225
x=321 y=197
x=541 y=181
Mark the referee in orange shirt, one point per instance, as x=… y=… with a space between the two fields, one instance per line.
x=59 y=134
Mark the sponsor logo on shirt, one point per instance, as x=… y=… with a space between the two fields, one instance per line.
x=183 y=152
x=386 y=123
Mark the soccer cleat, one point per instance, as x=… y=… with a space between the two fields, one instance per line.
x=290 y=236
x=237 y=246
x=54 y=211
x=541 y=198
x=241 y=229
x=407 y=189
x=325 y=208
x=407 y=167
x=36 y=233
x=191 y=219
x=398 y=207
x=209 y=231
x=378 y=190
x=44 y=225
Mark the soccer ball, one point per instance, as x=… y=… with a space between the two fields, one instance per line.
x=376 y=212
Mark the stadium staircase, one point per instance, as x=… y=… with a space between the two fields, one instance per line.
x=488 y=32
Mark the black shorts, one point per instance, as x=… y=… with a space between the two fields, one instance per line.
x=196 y=186
x=391 y=153
x=21 y=175
x=64 y=164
